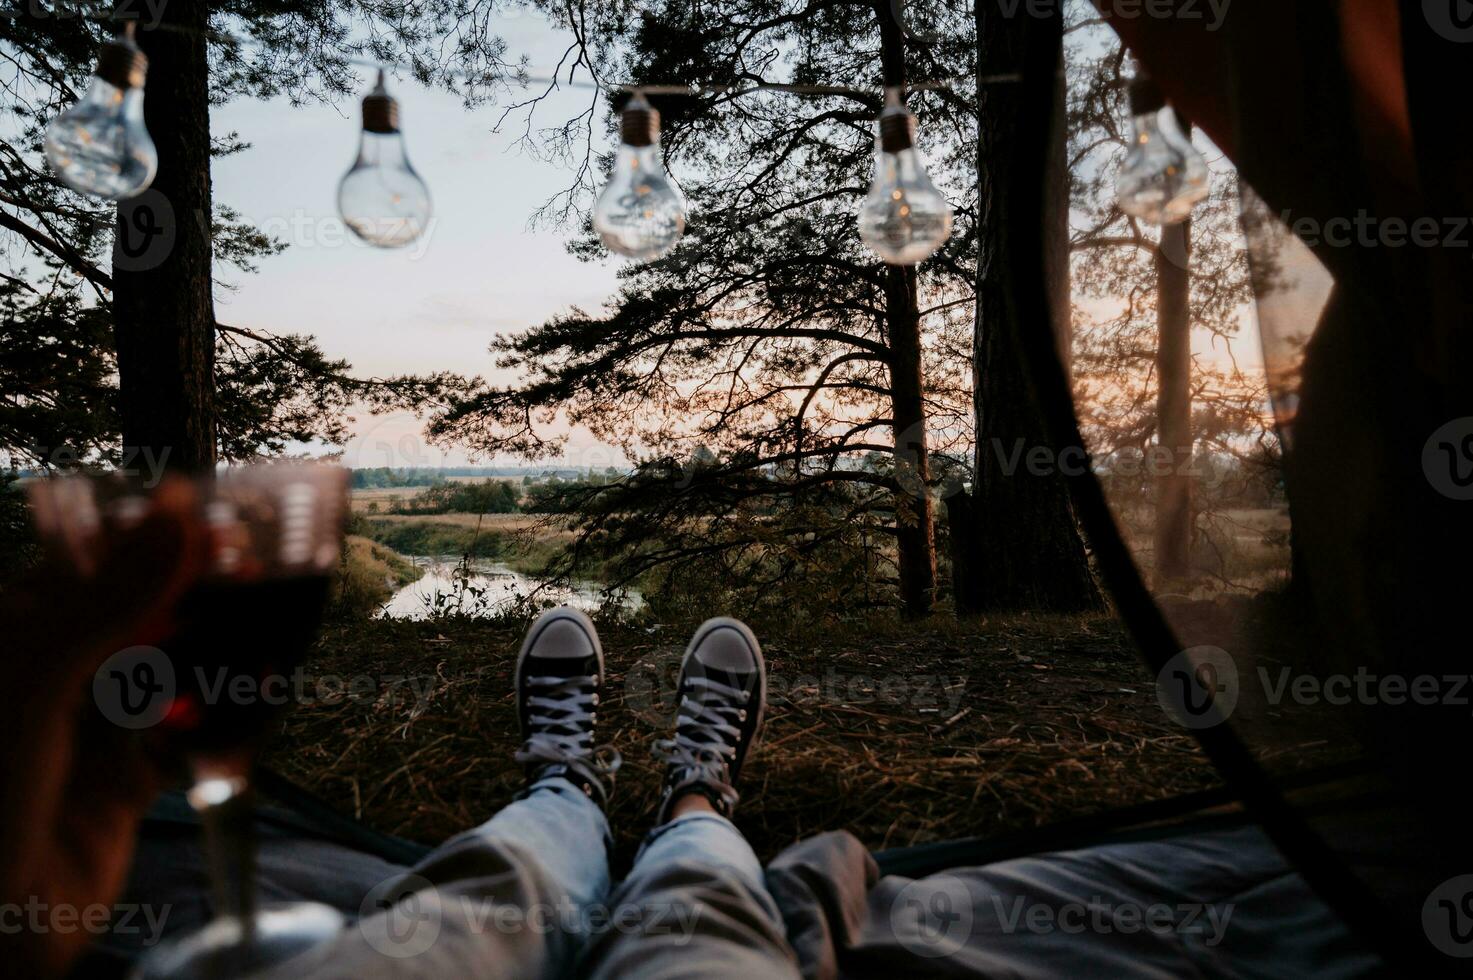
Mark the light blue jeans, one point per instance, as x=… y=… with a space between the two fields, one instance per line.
x=706 y=840
x=528 y=894
x=568 y=835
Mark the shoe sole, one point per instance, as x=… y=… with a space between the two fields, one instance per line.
x=540 y=624
x=704 y=630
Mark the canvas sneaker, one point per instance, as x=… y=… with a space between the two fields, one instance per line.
x=559 y=673
x=722 y=692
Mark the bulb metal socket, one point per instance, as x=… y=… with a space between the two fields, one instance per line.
x=1146 y=96
x=380 y=113
x=640 y=123
x=897 y=129
x=121 y=64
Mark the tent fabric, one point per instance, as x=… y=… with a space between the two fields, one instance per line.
x=1338 y=112
x=1186 y=902
x=1219 y=904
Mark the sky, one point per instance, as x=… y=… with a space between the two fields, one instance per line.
x=479 y=271
x=437 y=304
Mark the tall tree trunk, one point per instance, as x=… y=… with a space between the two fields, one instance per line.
x=163 y=307
x=1026 y=546
x=915 y=538
x=915 y=512
x=1174 y=403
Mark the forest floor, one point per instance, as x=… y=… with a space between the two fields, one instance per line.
x=902 y=734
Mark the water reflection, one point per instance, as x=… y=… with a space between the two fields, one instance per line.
x=487 y=589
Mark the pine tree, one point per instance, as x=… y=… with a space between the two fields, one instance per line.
x=769 y=334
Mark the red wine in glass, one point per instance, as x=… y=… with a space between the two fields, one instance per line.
x=235 y=658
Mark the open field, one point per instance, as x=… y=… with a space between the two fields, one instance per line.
x=383 y=496
x=496 y=537
x=513 y=478
x=505 y=523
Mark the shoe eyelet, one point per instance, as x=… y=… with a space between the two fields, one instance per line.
x=595 y=698
x=742 y=715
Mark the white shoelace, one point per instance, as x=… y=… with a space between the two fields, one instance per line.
x=560 y=715
x=716 y=711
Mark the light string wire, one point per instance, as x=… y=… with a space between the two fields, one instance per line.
x=227 y=39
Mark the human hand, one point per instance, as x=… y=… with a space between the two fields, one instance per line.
x=73 y=787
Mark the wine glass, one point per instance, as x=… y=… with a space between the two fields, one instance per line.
x=209 y=691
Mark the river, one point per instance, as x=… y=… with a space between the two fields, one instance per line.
x=489 y=588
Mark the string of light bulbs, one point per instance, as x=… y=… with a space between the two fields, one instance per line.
x=101 y=147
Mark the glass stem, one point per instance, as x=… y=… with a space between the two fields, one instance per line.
x=226 y=810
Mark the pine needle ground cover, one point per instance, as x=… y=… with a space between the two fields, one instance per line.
x=900 y=734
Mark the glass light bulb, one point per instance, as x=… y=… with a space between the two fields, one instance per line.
x=381 y=198
x=640 y=212
x=1163 y=176
x=904 y=218
x=100 y=146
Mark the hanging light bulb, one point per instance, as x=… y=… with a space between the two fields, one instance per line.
x=381 y=198
x=904 y=218
x=100 y=146
x=640 y=212
x=1163 y=176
